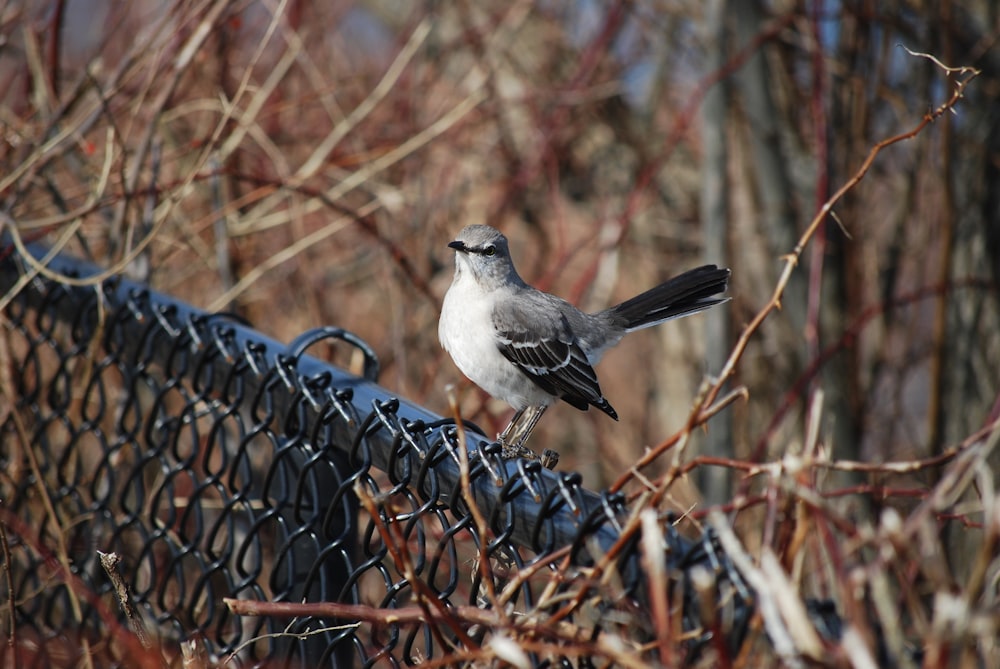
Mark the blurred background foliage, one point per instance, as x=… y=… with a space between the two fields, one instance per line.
x=303 y=164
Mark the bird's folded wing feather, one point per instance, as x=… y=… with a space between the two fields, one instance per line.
x=538 y=339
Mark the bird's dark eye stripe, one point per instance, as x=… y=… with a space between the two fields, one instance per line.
x=488 y=250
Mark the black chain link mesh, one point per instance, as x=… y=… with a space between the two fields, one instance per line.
x=220 y=463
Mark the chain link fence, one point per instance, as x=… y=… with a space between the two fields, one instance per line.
x=221 y=464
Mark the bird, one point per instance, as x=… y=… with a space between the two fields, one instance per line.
x=530 y=348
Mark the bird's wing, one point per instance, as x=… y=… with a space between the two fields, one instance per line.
x=536 y=336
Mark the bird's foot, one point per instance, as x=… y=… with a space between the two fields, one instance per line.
x=508 y=451
x=512 y=439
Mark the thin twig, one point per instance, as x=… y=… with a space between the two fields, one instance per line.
x=111 y=562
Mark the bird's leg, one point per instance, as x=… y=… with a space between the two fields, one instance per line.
x=504 y=437
x=508 y=438
x=531 y=416
x=513 y=438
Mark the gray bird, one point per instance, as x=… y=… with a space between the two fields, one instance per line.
x=529 y=348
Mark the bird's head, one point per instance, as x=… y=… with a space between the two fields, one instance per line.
x=482 y=253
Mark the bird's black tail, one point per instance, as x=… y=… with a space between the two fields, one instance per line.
x=682 y=295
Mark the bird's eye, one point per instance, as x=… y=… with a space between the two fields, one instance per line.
x=489 y=250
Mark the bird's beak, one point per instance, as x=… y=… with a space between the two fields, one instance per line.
x=458 y=246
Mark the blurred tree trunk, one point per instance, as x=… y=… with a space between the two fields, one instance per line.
x=969 y=344
x=714 y=482
x=771 y=181
x=837 y=298
x=769 y=215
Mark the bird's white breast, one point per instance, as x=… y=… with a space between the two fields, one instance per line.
x=466 y=331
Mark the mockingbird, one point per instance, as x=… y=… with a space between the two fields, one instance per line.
x=529 y=348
